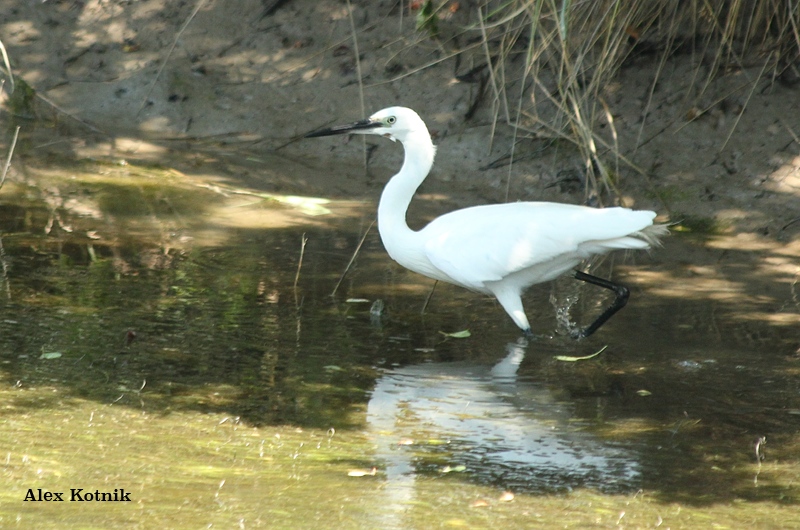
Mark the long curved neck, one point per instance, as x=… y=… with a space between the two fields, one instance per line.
x=396 y=196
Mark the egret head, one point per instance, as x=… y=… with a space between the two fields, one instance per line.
x=394 y=123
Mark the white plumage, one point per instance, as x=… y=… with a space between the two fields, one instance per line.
x=496 y=249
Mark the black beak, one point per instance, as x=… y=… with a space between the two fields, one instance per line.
x=344 y=129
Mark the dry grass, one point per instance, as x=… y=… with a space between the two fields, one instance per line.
x=572 y=50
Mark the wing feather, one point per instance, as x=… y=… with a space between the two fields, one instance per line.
x=486 y=243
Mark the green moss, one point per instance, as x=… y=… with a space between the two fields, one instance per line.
x=669 y=194
x=698 y=225
x=21 y=99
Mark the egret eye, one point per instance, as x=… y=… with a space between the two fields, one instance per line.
x=390 y=120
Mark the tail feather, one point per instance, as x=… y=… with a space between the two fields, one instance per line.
x=652 y=234
x=645 y=238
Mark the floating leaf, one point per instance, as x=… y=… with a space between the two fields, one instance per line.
x=568 y=359
x=463 y=334
x=50 y=355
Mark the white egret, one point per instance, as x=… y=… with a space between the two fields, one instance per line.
x=498 y=249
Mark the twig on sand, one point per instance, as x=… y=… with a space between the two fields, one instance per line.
x=68 y=115
x=171 y=48
x=270 y=6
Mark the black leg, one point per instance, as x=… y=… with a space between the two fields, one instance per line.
x=620 y=291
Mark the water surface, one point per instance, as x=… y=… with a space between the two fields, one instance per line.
x=174 y=335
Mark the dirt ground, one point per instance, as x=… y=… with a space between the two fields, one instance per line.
x=136 y=79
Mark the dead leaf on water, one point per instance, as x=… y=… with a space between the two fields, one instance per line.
x=569 y=359
x=480 y=503
x=463 y=334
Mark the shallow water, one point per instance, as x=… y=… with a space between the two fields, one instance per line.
x=161 y=334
